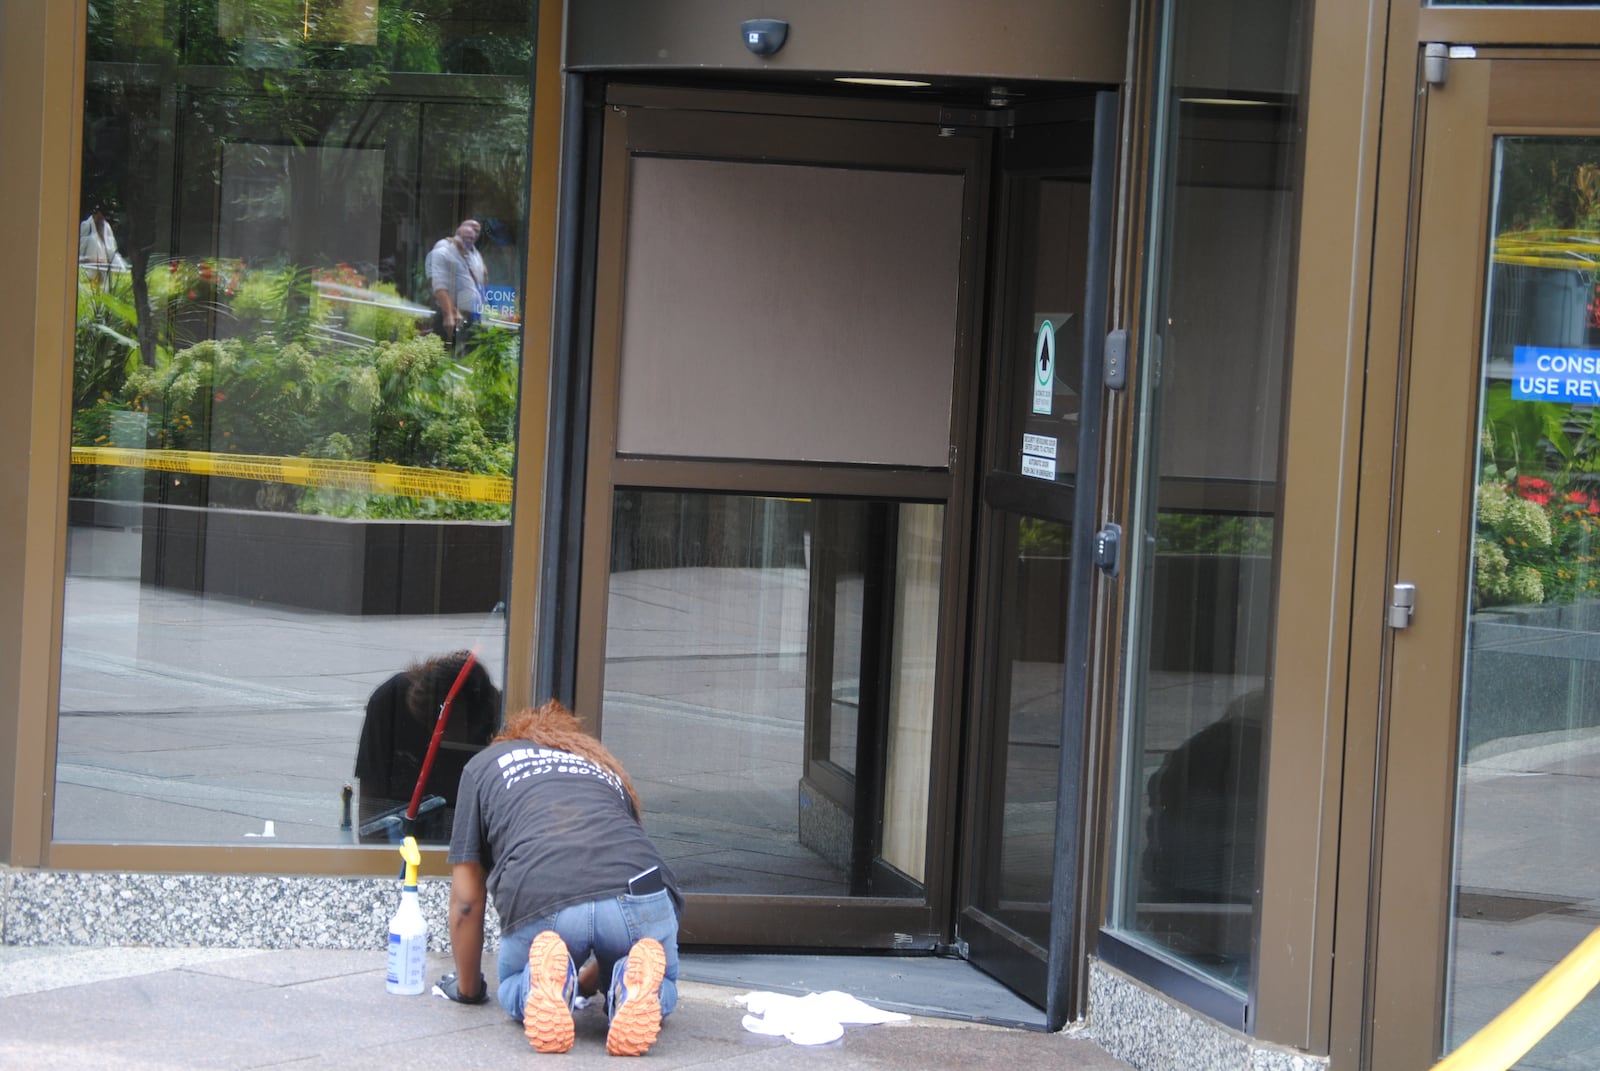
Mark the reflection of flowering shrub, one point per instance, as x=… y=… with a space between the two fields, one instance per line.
x=1538 y=503
x=1534 y=542
x=341 y=274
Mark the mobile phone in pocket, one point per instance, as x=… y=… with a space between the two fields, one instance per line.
x=646 y=882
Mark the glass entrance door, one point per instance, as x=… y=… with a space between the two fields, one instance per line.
x=1493 y=767
x=775 y=520
x=1026 y=705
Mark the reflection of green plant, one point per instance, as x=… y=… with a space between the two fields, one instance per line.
x=278 y=82
x=302 y=376
x=1549 y=183
x=217 y=355
x=1041 y=539
x=1557 y=440
x=1176 y=533
x=384 y=317
x=106 y=349
x=1213 y=533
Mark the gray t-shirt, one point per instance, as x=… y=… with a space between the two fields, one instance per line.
x=552 y=829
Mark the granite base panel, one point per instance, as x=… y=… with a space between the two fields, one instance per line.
x=825 y=827
x=1136 y=1024
x=94 y=908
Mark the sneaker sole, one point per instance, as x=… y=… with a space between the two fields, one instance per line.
x=546 y=1019
x=638 y=1021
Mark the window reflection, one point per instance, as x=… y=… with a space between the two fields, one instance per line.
x=288 y=486
x=1201 y=578
x=1526 y=890
x=397 y=733
x=769 y=670
x=1018 y=844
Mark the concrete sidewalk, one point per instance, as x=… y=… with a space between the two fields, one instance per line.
x=138 y=1009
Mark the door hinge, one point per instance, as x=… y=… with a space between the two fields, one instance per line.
x=1435 y=63
x=1402 y=605
x=1436 y=57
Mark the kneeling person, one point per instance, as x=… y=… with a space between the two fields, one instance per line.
x=548 y=822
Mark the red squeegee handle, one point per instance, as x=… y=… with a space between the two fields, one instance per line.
x=438 y=734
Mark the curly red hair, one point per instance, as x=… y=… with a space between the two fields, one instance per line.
x=552 y=725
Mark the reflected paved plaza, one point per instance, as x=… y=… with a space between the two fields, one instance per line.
x=193 y=720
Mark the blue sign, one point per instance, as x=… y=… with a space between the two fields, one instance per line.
x=501 y=300
x=1543 y=374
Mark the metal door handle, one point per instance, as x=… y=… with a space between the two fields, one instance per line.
x=1402 y=604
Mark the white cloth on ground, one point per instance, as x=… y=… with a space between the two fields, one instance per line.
x=814 y=1019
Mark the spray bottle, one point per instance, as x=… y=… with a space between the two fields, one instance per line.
x=408 y=931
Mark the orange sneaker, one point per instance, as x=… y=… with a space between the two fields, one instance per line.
x=636 y=1000
x=552 y=983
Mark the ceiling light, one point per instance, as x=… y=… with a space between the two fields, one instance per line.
x=1239 y=102
x=893 y=83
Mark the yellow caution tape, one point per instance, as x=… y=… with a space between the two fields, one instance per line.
x=370 y=477
x=1569 y=249
x=1534 y=1014
x=1559 y=263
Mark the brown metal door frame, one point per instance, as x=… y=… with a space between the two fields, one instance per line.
x=1492 y=95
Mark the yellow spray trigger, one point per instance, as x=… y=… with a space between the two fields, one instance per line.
x=413 y=858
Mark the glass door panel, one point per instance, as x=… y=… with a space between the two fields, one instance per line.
x=1527 y=887
x=1026 y=714
x=1203 y=515
x=768 y=685
x=1017 y=853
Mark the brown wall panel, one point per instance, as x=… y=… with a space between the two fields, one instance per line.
x=1080 y=40
x=1545 y=94
x=746 y=336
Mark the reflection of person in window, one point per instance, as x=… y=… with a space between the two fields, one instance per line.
x=456 y=275
x=1204 y=799
x=97 y=248
x=401 y=715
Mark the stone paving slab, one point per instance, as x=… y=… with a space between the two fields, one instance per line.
x=138 y=1010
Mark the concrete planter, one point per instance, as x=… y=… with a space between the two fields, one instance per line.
x=1534 y=669
x=317 y=563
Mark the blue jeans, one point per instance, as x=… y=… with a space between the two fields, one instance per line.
x=608 y=928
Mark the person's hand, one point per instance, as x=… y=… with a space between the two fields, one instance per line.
x=449 y=988
x=589 y=978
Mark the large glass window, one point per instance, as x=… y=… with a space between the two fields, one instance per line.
x=295 y=388
x=1205 y=507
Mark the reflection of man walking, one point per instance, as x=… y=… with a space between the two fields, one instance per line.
x=456 y=275
x=97 y=247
